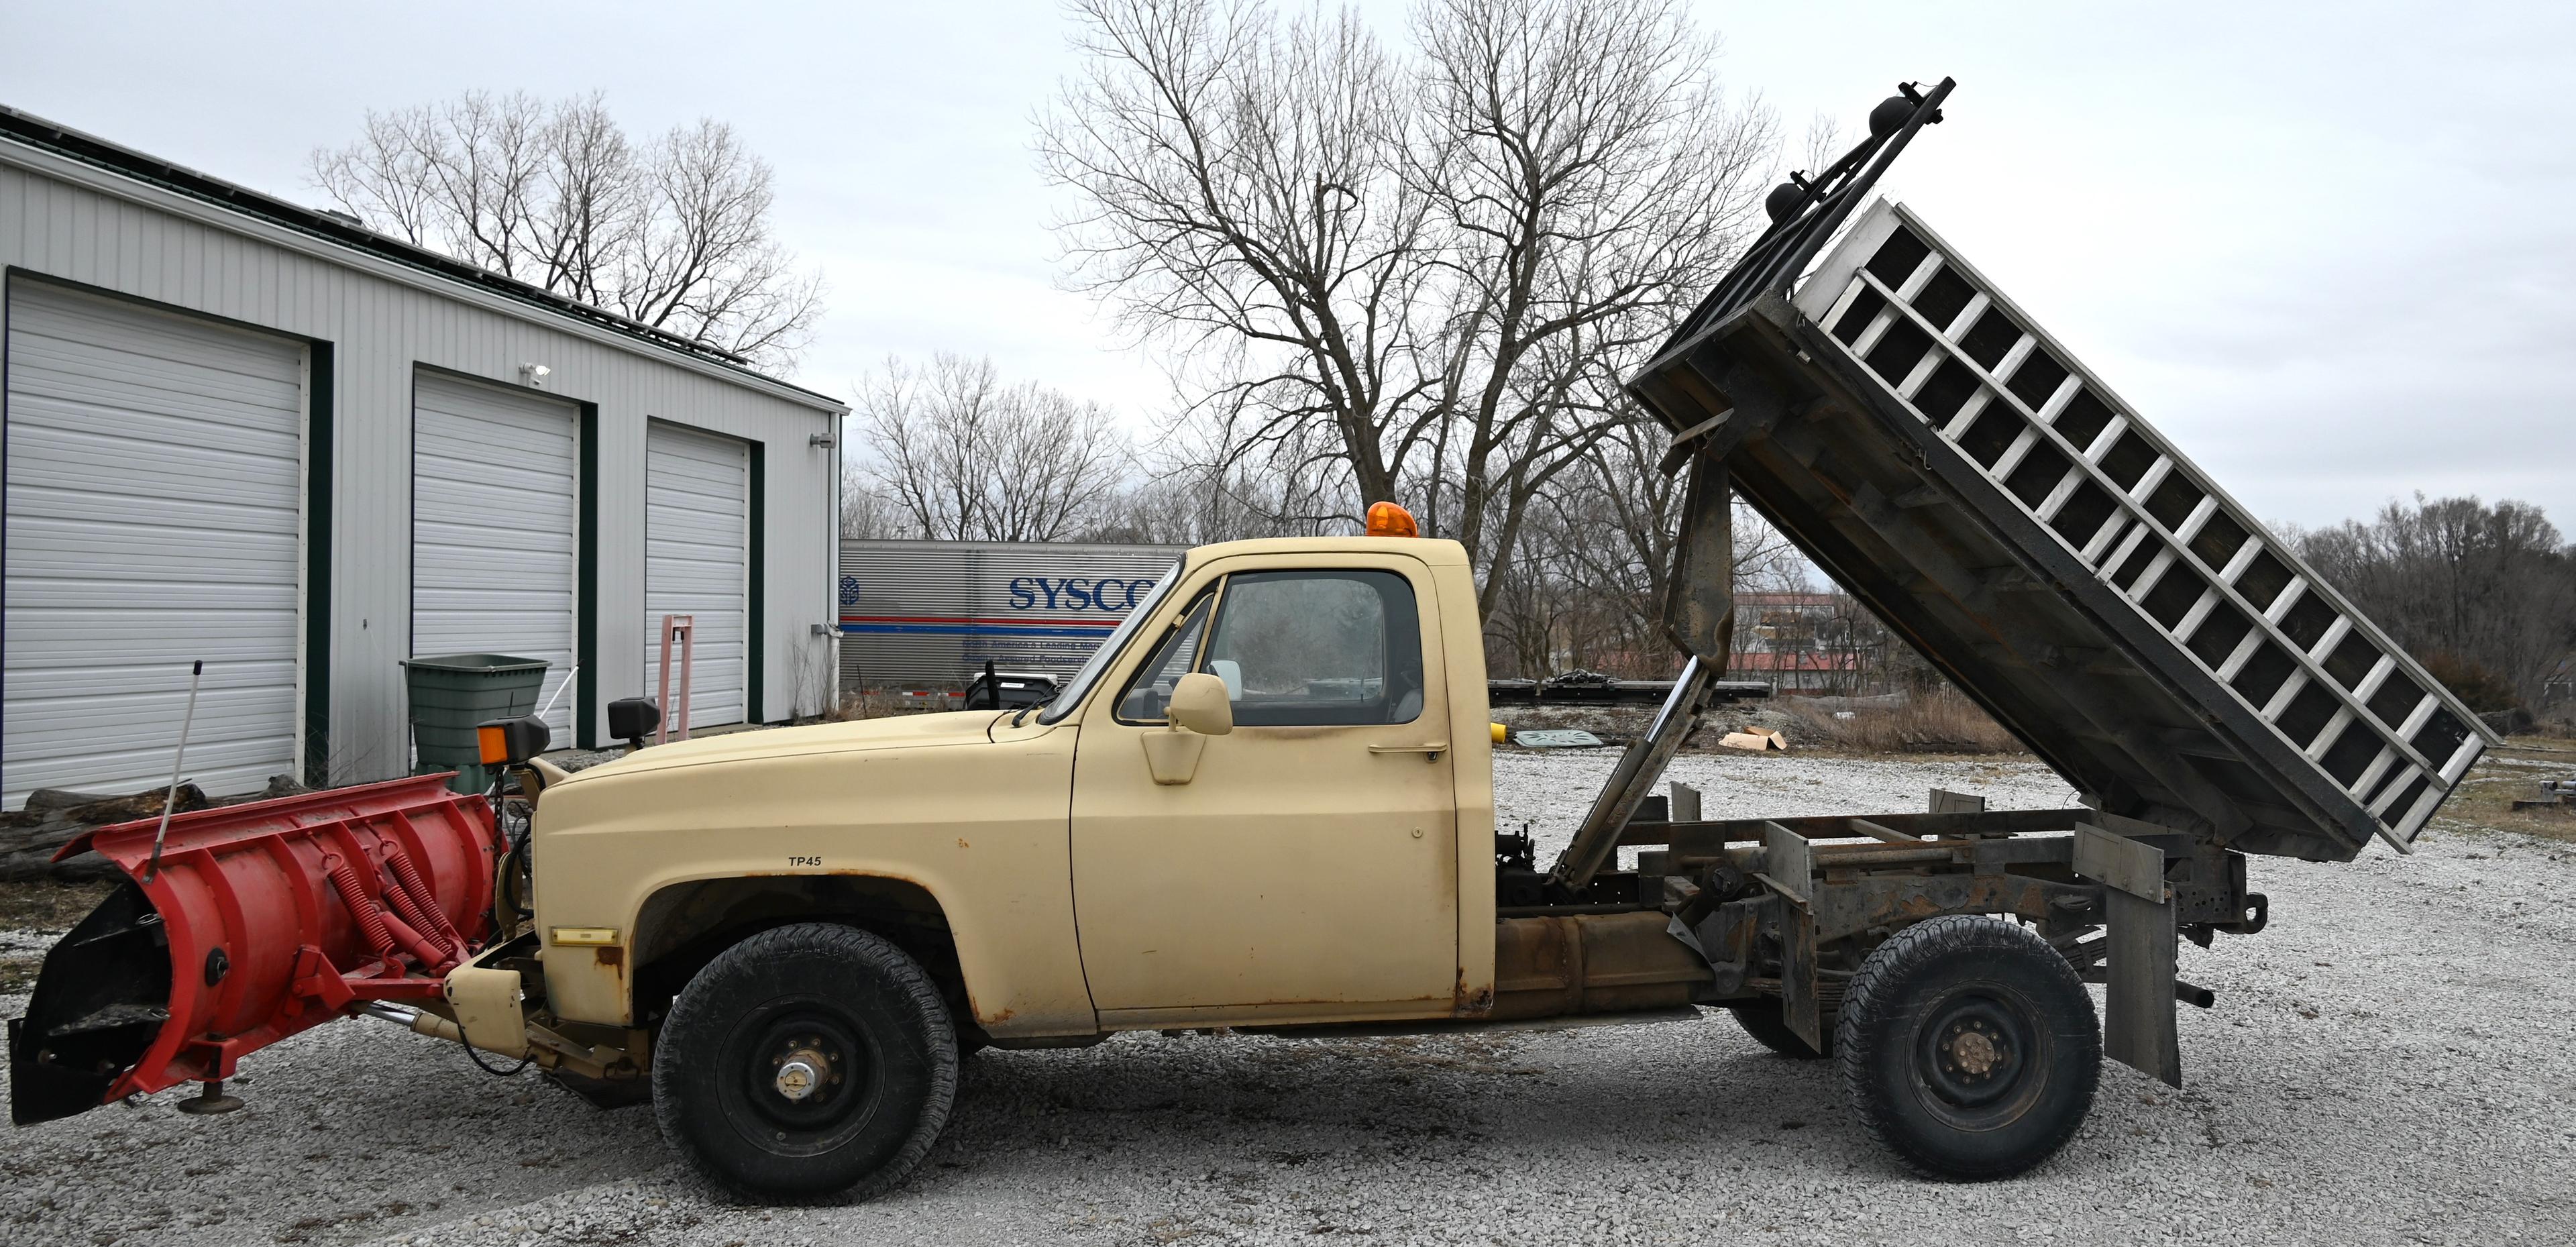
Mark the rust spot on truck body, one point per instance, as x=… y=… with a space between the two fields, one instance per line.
x=1466 y=1004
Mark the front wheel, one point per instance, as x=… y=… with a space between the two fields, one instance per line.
x=804 y=1060
x=1969 y=1047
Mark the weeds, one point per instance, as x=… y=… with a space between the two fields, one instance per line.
x=1941 y=721
x=876 y=705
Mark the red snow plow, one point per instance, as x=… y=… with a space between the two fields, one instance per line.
x=257 y=921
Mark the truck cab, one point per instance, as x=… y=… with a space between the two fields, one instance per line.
x=1093 y=865
x=1315 y=846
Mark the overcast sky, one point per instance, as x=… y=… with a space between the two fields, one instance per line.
x=2329 y=253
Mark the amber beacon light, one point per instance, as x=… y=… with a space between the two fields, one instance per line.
x=1385 y=519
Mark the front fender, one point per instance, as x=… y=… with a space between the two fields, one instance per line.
x=982 y=828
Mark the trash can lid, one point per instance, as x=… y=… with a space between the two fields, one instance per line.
x=475 y=663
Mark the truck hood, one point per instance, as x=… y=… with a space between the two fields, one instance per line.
x=910 y=731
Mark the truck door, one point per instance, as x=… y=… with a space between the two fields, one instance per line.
x=1309 y=866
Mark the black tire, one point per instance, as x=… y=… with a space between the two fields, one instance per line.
x=1969 y=1048
x=836 y=1002
x=1764 y=1020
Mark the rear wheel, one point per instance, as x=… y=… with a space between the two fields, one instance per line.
x=1969 y=1047
x=1764 y=1020
x=804 y=1060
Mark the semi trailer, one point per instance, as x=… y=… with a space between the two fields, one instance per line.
x=922 y=619
x=1265 y=801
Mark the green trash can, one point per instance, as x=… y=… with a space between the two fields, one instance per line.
x=450 y=693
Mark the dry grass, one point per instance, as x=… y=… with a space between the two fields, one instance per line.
x=1941 y=721
x=43 y=905
x=2486 y=794
x=877 y=706
x=39 y=906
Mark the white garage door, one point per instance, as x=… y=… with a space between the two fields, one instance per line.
x=495 y=528
x=697 y=556
x=155 y=483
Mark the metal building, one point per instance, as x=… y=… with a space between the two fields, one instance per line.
x=247 y=432
x=919 y=617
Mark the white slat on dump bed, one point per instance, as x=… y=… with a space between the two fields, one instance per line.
x=697 y=559
x=2192 y=562
x=154 y=518
x=495 y=526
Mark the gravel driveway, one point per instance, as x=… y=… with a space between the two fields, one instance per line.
x=2389 y=1063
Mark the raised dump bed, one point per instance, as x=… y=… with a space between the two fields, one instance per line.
x=1947 y=461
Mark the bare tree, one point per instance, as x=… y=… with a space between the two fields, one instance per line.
x=867 y=514
x=1199 y=491
x=1242 y=207
x=1589 y=182
x=1440 y=261
x=674 y=233
x=962 y=457
x=2485 y=595
x=1594 y=561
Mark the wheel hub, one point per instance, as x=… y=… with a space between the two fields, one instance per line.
x=1970 y=1051
x=806 y=1076
x=1976 y=1054
x=802 y=1073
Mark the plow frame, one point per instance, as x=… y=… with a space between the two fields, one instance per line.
x=278 y=916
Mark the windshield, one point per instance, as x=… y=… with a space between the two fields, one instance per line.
x=1071 y=694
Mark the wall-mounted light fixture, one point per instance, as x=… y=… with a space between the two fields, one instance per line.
x=534 y=375
x=820 y=441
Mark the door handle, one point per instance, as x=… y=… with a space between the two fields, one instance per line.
x=1432 y=751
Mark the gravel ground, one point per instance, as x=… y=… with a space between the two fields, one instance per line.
x=2389 y=1063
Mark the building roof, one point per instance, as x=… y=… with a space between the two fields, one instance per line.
x=89 y=149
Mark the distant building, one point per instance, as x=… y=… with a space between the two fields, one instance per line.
x=1799 y=673
x=1803 y=642
x=250 y=433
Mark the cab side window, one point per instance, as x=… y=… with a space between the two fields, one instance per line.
x=1146 y=695
x=1318 y=648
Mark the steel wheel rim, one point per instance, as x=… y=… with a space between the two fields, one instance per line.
x=1980 y=1060
x=841 y=1087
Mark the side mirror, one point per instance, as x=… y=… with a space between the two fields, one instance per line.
x=1198 y=709
x=631 y=719
x=1199 y=703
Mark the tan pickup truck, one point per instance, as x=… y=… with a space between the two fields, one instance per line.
x=1266 y=802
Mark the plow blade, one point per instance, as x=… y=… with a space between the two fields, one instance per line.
x=260 y=921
